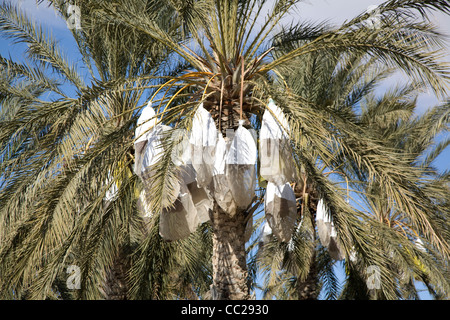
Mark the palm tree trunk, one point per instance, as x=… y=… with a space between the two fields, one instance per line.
x=116 y=285
x=230 y=281
x=307 y=289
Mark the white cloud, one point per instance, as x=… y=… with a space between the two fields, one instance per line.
x=337 y=11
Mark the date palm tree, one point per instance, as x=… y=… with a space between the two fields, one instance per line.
x=408 y=250
x=67 y=190
x=236 y=53
x=290 y=270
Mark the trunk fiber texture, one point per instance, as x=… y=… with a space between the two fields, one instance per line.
x=230 y=275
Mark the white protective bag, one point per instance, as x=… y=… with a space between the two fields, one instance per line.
x=202 y=201
x=266 y=231
x=203 y=139
x=219 y=186
x=192 y=205
x=152 y=154
x=327 y=232
x=143 y=206
x=276 y=161
x=323 y=222
x=240 y=168
x=180 y=221
x=182 y=159
x=281 y=210
x=145 y=123
x=334 y=248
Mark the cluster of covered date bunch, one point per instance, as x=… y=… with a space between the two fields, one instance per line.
x=219 y=169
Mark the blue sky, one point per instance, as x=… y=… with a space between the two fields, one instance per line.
x=335 y=11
